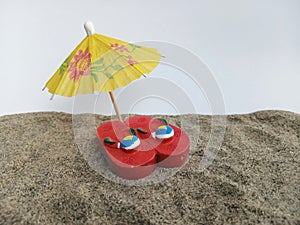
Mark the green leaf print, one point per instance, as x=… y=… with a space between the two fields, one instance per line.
x=95 y=77
x=99 y=61
x=117 y=67
x=108 y=75
x=65 y=65
x=97 y=67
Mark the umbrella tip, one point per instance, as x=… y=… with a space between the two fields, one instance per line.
x=89 y=27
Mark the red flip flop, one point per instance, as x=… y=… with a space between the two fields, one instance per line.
x=171 y=152
x=128 y=164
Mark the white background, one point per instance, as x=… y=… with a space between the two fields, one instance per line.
x=251 y=46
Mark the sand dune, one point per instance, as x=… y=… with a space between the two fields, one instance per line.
x=44 y=178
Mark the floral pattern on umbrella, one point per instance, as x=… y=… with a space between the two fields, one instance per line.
x=81 y=65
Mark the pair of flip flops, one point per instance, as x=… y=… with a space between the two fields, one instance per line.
x=134 y=148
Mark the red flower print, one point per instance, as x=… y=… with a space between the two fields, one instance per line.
x=131 y=61
x=81 y=65
x=118 y=47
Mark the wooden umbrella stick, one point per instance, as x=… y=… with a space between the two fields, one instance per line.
x=112 y=97
x=89 y=28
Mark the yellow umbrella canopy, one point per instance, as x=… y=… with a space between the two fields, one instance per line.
x=101 y=63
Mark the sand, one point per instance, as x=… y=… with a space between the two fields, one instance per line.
x=45 y=179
